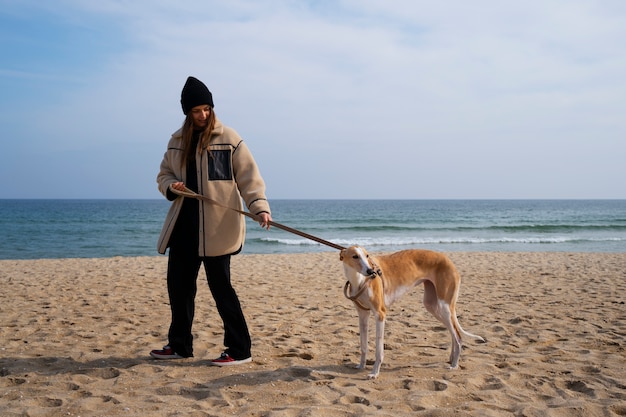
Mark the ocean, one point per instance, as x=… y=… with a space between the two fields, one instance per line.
x=32 y=229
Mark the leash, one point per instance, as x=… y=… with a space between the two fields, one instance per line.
x=362 y=288
x=191 y=194
x=354 y=299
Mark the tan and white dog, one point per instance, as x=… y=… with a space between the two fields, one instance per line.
x=374 y=283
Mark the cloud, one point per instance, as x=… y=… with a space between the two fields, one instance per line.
x=414 y=99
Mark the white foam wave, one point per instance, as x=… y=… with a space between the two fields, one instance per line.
x=391 y=241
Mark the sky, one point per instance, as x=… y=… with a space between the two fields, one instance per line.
x=353 y=99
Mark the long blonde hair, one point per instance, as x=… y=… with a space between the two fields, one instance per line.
x=188 y=130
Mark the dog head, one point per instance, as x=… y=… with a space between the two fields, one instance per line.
x=357 y=259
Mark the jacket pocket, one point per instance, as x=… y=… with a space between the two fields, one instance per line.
x=220 y=166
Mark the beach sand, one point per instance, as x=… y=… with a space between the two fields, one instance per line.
x=76 y=333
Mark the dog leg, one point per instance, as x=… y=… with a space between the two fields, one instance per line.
x=442 y=312
x=457 y=346
x=363 y=330
x=380 y=348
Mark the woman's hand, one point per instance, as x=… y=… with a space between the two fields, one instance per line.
x=180 y=186
x=265 y=219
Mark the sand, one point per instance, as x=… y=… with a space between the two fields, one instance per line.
x=76 y=333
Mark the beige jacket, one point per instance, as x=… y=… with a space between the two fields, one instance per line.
x=227 y=176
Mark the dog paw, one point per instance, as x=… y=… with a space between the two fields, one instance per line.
x=372 y=376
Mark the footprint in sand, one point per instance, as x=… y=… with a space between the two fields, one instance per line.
x=103 y=373
x=305 y=356
x=50 y=402
x=620 y=410
x=580 y=386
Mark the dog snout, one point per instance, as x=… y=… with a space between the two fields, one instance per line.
x=370 y=272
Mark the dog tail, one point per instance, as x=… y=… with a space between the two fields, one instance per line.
x=462 y=332
x=459 y=330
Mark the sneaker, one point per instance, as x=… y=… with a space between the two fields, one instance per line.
x=165 y=353
x=226 y=360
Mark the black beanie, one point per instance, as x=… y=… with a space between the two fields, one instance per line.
x=195 y=93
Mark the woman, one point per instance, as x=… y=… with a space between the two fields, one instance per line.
x=212 y=160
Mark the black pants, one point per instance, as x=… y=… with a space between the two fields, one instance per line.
x=182 y=274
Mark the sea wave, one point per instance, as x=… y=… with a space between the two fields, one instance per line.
x=405 y=241
x=534 y=228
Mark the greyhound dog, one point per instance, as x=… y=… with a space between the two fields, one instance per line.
x=374 y=283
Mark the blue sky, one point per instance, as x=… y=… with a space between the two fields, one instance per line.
x=337 y=99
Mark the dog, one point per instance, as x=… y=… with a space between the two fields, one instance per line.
x=374 y=283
